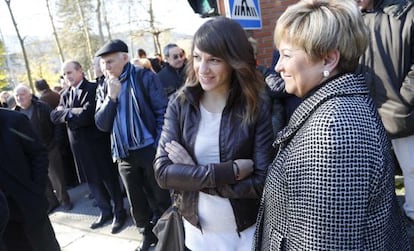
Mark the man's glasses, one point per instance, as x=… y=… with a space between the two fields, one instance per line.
x=176 y=56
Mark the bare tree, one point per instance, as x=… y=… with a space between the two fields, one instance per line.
x=98 y=17
x=21 y=41
x=108 y=27
x=155 y=31
x=55 y=35
x=86 y=29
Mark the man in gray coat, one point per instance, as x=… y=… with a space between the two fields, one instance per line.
x=388 y=68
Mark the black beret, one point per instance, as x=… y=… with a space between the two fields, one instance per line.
x=114 y=45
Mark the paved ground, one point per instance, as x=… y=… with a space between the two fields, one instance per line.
x=73 y=232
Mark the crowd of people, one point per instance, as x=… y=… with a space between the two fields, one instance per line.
x=295 y=156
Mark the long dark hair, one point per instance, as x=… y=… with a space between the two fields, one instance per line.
x=224 y=38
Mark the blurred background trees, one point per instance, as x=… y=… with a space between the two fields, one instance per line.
x=78 y=28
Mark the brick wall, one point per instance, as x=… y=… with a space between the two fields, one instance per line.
x=270 y=10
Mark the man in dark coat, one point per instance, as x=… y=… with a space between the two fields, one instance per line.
x=38 y=113
x=23 y=177
x=46 y=94
x=68 y=165
x=172 y=76
x=131 y=106
x=91 y=147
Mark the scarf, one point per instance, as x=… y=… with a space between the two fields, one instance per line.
x=127 y=131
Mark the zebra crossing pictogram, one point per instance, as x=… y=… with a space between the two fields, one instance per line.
x=245 y=9
x=246 y=12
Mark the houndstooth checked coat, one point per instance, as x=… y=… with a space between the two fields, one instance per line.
x=331 y=186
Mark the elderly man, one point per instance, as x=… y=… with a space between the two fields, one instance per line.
x=52 y=98
x=38 y=113
x=172 y=76
x=131 y=105
x=90 y=147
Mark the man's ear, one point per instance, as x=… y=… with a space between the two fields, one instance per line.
x=125 y=56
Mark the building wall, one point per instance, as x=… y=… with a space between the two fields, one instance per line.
x=270 y=10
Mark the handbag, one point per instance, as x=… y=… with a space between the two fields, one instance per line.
x=169 y=229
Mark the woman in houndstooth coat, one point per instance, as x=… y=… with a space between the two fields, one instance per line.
x=331 y=186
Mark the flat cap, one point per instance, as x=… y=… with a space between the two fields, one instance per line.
x=114 y=45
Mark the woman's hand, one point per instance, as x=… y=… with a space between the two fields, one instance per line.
x=178 y=154
x=242 y=168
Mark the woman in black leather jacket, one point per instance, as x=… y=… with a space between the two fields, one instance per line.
x=215 y=146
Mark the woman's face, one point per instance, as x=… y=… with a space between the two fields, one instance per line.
x=300 y=73
x=213 y=73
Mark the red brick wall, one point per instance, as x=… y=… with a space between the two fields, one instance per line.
x=270 y=10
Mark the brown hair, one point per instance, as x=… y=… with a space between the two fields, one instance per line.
x=224 y=38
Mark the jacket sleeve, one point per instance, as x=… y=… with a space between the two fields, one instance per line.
x=217 y=178
x=77 y=117
x=157 y=100
x=105 y=109
x=59 y=116
x=407 y=88
x=178 y=176
x=84 y=117
x=262 y=152
x=275 y=85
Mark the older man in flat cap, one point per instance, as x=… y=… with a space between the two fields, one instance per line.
x=131 y=105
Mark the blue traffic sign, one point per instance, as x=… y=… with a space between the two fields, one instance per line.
x=245 y=12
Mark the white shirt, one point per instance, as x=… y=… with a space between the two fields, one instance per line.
x=219 y=229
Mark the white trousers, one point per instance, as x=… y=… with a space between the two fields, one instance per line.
x=404 y=150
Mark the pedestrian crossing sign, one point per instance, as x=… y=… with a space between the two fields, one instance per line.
x=246 y=12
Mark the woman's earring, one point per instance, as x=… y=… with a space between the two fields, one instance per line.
x=325 y=73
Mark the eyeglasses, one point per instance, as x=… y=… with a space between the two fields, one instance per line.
x=175 y=57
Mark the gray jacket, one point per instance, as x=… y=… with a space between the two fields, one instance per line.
x=331 y=186
x=388 y=64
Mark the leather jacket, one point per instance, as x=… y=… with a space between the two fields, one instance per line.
x=236 y=141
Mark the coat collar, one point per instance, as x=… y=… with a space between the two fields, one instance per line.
x=394 y=8
x=343 y=85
